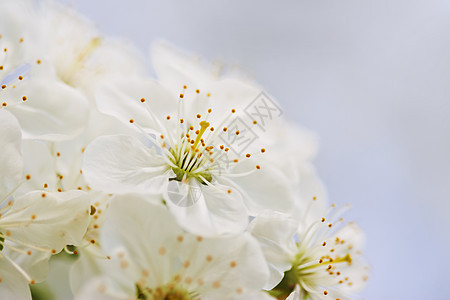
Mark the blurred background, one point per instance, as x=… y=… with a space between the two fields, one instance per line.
x=371 y=78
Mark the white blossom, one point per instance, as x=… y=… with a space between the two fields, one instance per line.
x=322 y=259
x=153 y=258
x=154 y=182
x=191 y=151
x=33 y=225
x=45 y=108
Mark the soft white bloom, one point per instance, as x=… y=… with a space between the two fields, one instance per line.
x=61 y=48
x=45 y=108
x=186 y=159
x=56 y=167
x=204 y=149
x=51 y=62
x=153 y=258
x=289 y=147
x=73 y=51
x=61 y=58
x=33 y=225
x=215 y=148
x=323 y=259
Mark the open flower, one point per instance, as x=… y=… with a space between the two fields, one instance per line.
x=215 y=147
x=33 y=225
x=189 y=157
x=320 y=260
x=153 y=258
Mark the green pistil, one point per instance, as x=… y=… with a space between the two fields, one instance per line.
x=179 y=175
x=180 y=172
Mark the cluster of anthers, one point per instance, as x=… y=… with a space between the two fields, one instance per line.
x=200 y=152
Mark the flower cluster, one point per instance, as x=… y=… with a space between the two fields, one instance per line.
x=189 y=186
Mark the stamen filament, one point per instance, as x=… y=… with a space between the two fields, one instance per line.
x=310 y=269
x=18 y=268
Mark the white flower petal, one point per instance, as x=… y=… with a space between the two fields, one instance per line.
x=101 y=288
x=176 y=69
x=123 y=164
x=260 y=295
x=142 y=230
x=52 y=110
x=78 y=53
x=48 y=220
x=358 y=271
x=275 y=233
x=309 y=188
x=35 y=265
x=39 y=164
x=13 y=284
x=266 y=188
x=226 y=208
x=11 y=164
x=225 y=95
x=208 y=210
x=232 y=93
x=123 y=100
x=11 y=21
x=88 y=266
x=144 y=237
x=229 y=266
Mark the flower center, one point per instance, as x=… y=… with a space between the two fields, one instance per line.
x=188 y=158
x=305 y=271
x=169 y=291
x=200 y=153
